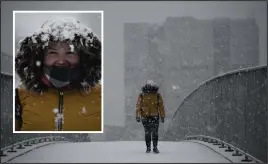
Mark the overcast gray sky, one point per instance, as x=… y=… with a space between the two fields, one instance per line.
x=92 y=20
x=116 y=14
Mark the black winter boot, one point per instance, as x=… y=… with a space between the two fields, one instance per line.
x=156 y=150
x=148 y=145
x=148 y=150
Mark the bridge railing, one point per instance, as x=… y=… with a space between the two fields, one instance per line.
x=6 y=63
x=30 y=142
x=231 y=107
x=229 y=147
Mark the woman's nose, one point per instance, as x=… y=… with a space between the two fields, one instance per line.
x=62 y=58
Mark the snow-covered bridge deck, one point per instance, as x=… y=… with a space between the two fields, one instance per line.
x=121 y=151
x=204 y=99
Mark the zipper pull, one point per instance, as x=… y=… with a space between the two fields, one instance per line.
x=60 y=113
x=60 y=102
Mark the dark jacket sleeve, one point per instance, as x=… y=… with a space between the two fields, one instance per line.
x=18 y=111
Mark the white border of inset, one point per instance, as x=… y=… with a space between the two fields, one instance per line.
x=102 y=71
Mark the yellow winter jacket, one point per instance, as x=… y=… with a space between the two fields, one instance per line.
x=81 y=111
x=150 y=104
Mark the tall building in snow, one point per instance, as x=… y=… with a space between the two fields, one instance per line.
x=236 y=44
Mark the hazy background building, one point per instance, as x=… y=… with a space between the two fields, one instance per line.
x=236 y=44
x=180 y=54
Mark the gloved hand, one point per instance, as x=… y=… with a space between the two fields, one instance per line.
x=162 y=119
x=138 y=119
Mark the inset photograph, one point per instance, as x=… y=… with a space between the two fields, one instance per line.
x=58 y=71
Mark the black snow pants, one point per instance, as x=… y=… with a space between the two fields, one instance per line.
x=151 y=125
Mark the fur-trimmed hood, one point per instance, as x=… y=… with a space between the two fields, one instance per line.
x=150 y=87
x=30 y=57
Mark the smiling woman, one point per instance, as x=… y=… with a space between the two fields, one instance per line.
x=60 y=69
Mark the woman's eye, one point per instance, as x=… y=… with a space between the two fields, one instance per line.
x=71 y=53
x=52 y=52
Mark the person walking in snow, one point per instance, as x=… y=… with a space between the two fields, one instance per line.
x=149 y=110
x=60 y=69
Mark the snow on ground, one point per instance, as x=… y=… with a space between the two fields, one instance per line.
x=121 y=151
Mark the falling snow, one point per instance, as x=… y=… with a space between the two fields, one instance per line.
x=55 y=110
x=84 y=110
x=180 y=71
x=72 y=48
x=175 y=87
x=38 y=63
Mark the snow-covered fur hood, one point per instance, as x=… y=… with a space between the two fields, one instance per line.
x=30 y=57
x=150 y=87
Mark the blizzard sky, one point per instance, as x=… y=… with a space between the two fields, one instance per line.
x=118 y=13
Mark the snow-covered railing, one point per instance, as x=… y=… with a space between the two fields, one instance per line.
x=238 y=71
x=229 y=106
x=28 y=143
x=5 y=73
x=230 y=148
